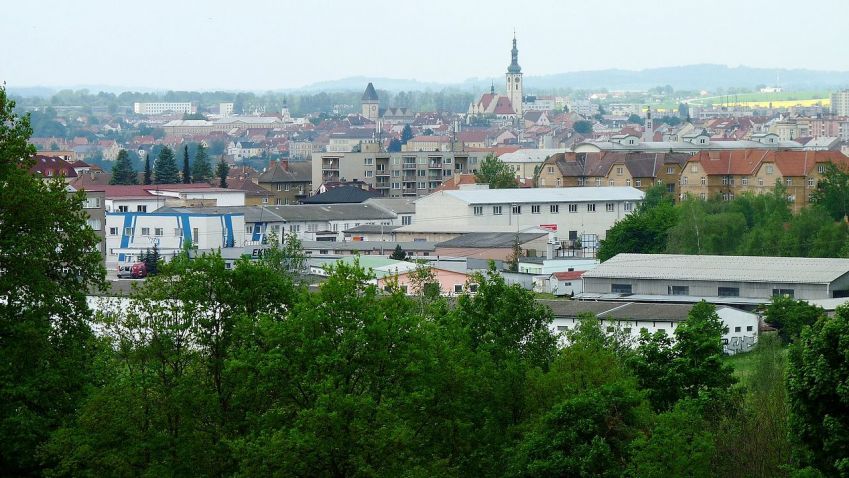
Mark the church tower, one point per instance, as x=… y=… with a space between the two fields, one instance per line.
x=370 y=103
x=515 y=88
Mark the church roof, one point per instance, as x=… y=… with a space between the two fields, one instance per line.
x=369 y=94
x=514 y=57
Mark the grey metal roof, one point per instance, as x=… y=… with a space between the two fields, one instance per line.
x=375 y=228
x=396 y=205
x=374 y=246
x=252 y=213
x=490 y=239
x=619 y=310
x=546 y=195
x=722 y=268
x=339 y=195
x=330 y=212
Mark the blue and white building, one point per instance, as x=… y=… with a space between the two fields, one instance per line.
x=130 y=234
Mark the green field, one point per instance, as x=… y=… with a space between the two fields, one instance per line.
x=784 y=96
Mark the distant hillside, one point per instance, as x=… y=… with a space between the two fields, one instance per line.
x=689 y=77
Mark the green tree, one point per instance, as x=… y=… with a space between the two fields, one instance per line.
x=679 y=444
x=817 y=378
x=46 y=344
x=583 y=127
x=643 y=231
x=187 y=172
x=122 y=171
x=165 y=169
x=495 y=173
x=222 y=170
x=687 y=368
x=398 y=254
x=148 y=174
x=201 y=167
x=635 y=119
x=832 y=192
x=790 y=316
x=406 y=134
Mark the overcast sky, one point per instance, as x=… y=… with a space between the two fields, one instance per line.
x=259 y=45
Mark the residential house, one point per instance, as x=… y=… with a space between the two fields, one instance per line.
x=289 y=182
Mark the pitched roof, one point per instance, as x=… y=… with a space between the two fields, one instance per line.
x=568 y=275
x=486 y=240
x=369 y=94
x=331 y=212
x=340 y=195
x=50 y=166
x=504 y=106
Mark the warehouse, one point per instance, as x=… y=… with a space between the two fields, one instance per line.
x=742 y=280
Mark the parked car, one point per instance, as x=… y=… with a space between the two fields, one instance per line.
x=132 y=271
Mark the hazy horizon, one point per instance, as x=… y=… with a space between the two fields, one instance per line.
x=265 y=45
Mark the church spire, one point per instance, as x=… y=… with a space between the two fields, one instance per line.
x=514 y=57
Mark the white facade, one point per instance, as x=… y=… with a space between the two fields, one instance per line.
x=175 y=197
x=158 y=108
x=741 y=336
x=566 y=212
x=128 y=235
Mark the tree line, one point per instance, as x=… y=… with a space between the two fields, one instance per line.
x=165 y=171
x=755 y=225
x=210 y=370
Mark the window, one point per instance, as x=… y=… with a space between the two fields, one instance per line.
x=496 y=210
x=821 y=168
x=145 y=231
x=760 y=181
x=611 y=329
x=422 y=185
x=478 y=210
x=628 y=206
x=782 y=292
x=128 y=231
x=638 y=183
x=195 y=235
x=368 y=174
x=421 y=173
x=598 y=181
x=91 y=203
x=744 y=181
x=406 y=220
x=769 y=169
x=178 y=232
x=554 y=209
x=472 y=287
x=279 y=187
x=704 y=181
x=591 y=207
x=789 y=181
x=694 y=169
x=609 y=207
x=458 y=288
x=123 y=208
x=703 y=196
x=619 y=170
x=679 y=290
x=728 y=292
x=736 y=329
x=404 y=288
x=670 y=170
x=558 y=182
x=748 y=328
x=369 y=161
x=113 y=231
x=517 y=209
x=627 y=182
x=157 y=231
x=620 y=288
x=684 y=180
x=141 y=208
x=573 y=208
x=396 y=173
x=95 y=224
x=535 y=209
x=811 y=182
x=627 y=330
x=611 y=182
x=396 y=185
x=551 y=170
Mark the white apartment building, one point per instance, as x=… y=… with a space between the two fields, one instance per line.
x=157 y=108
x=840 y=103
x=130 y=234
x=149 y=198
x=571 y=214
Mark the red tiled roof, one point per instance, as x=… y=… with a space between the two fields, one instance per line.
x=50 y=166
x=504 y=107
x=568 y=275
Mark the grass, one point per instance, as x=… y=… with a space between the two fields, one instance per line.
x=745 y=363
x=779 y=100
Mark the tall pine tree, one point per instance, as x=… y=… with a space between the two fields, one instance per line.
x=147 y=171
x=222 y=171
x=123 y=172
x=201 y=167
x=165 y=170
x=187 y=174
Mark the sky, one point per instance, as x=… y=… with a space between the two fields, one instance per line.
x=268 y=45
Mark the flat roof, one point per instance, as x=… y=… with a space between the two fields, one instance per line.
x=626 y=310
x=721 y=268
x=545 y=195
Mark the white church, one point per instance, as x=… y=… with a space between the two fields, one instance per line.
x=504 y=107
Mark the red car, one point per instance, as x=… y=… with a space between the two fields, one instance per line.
x=132 y=271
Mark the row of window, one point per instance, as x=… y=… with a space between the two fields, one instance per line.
x=729 y=181
x=552 y=208
x=685 y=290
x=139 y=208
